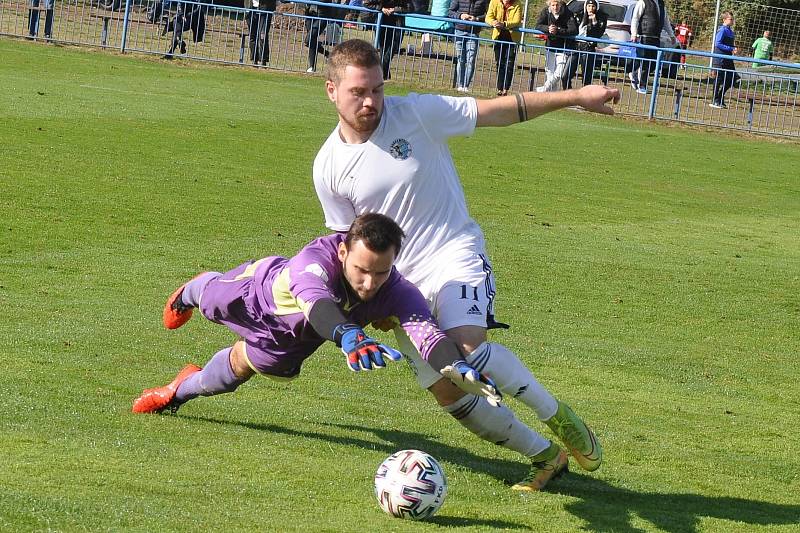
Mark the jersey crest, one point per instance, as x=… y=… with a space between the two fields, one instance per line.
x=400 y=149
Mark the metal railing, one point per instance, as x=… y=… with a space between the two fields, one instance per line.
x=761 y=102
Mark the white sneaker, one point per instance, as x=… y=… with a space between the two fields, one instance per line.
x=634 y=81
x=310 y=70
x=541 y=89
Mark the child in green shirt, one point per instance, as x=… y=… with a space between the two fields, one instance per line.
x=762 y=48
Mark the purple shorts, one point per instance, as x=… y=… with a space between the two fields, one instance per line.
x=272 y=345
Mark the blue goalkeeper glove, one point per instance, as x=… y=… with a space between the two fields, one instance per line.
x=362 y=352
x=466 y=378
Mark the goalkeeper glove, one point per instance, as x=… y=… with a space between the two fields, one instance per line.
x=471 y=381
x=362 y=352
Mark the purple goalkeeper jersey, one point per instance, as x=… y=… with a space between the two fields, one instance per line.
x=266 y=302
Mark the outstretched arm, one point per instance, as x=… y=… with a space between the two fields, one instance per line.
x=362 y=352
x=521 y=107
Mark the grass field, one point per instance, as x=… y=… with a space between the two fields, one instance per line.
x=651 y=274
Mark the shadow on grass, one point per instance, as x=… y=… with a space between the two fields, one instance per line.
x=601 y=505
x=668 y=511
x=398 y=440
x=508 y=472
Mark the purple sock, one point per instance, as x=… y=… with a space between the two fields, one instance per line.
x=191 y=293
x=216 y=377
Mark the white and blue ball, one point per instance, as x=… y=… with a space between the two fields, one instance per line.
x=410 y=484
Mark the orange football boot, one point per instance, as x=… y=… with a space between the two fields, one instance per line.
x=158 y=399
x=175 y=312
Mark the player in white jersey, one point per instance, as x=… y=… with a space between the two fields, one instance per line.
x=390 y=155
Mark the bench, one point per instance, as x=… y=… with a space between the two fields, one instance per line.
x=107 y=16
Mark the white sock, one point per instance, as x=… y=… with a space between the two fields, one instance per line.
x=497 y=425
x=513 y=378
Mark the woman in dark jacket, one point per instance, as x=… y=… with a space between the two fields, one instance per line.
x=592 y=24
x=390 y=33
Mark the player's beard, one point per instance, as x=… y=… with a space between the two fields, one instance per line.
x=363 y=121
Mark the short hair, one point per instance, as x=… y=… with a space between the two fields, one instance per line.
x=726 y=14
x=355 y=52
x=377 y=232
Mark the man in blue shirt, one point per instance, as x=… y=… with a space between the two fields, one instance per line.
x=726 y=70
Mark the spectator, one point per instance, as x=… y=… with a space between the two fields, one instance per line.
x=557 y=22
x=649 y=20
x=353 y=15
x=33 y=18
x=466 y=37
x=158 y=12
x=390 y=33
x=259 y=22
x=592 y=24
x=724 y=43
x=317 y=18
x=187 y=16
x=505 y=16
x=684 y=36
x=762 y=48
x=420 y=6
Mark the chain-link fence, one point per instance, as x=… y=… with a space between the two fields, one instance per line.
x=752 y=19
x=291 y=38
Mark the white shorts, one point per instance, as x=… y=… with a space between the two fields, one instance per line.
x=463 y=295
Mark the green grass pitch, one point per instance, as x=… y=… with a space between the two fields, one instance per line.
x=651 y=275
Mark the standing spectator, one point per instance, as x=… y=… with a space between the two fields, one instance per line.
x=187 y=17
x=505 y=16
x=762 y=48
x=592 y=24
x=317 y=18
x=726 y=70
x=420 y=6
x=33 y=18
x=648 y=21
x=259 y=22
x=684 y=36
x=390 y=32
x=557 y=22
x=466 y=37
x=353 y=15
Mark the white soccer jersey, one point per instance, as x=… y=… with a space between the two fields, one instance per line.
x=405 y=171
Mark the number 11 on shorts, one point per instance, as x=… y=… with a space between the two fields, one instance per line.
x=464 y=290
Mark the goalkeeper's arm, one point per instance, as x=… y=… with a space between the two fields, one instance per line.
x=325 y=316
x=446 y=358
x=362 y=352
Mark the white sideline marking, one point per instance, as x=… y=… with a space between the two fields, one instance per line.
x=113 y=89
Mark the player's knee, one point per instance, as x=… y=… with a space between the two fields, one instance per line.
x=239 y=362
x=445 y=392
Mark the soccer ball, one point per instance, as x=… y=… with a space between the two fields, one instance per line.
x=410 y=484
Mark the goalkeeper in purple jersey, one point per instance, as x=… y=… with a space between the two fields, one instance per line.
x=284 y=309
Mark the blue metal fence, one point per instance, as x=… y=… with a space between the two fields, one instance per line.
x=764 y=99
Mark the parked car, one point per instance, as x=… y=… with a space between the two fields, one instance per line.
x=620 y=13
